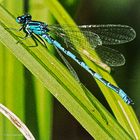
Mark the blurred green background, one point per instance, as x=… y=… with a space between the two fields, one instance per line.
x=30 y=98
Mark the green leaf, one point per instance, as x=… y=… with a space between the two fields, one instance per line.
x=11 y=83
x=123 y=112
x=57 y=79
x=44 y=102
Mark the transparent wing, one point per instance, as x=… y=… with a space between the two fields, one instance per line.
x=110 y=34
x=91 y=37
x=98 y=35
x=110 y=56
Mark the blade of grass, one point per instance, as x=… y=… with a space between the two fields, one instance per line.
x=13 y=74
x=56 y=78
x=123 y=112
x=43 y=96
x=16 y=122
x=2 y=99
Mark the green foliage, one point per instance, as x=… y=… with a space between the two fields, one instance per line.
x=119 y=108
x=75 y=97
x=11 y=85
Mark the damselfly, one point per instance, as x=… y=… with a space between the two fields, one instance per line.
x=96 y=35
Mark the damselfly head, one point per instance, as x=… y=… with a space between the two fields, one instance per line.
x=23 y=19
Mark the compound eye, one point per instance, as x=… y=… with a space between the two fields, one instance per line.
x=19 y=20
x=29 y=17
